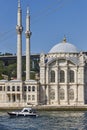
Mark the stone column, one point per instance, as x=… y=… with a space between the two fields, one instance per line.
x=66 y=85
x=76 y=86
x=56 y=80
x=11 y=98
x=58 y=87
x=47 y=95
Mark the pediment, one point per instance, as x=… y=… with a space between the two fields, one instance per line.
x=72 y=61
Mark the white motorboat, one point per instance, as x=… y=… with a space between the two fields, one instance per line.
x=24 y=112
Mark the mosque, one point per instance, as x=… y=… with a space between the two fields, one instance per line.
x=63 y=75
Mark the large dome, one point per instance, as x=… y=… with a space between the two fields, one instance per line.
x=64 y=47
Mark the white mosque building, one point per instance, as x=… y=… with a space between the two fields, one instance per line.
x=63 y=72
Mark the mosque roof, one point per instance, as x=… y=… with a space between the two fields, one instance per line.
x=64 y=47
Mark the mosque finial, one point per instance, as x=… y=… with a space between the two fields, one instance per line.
x=64 y=39
x=27 y=10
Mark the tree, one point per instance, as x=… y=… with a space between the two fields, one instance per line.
x=1 y=68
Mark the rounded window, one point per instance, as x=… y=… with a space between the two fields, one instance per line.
x=33 y=88
x=62 y=76
x=29 y=88
x=18 y=88
x=8 y=88
x=13 y=88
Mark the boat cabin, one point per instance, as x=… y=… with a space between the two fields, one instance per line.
x=25 y=110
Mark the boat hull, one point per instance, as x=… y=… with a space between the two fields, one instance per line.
x=22 y=115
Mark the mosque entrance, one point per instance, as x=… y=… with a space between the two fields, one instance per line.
x=13 y=98
x=18 y=97
x=8 y=98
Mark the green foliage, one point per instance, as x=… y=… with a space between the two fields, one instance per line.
x=12 y=71
x=34 y=67
x=1 y=77
x=1 y=66
x=9 y=68
x=32 y=75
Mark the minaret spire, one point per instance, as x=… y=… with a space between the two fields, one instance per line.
x=28 y=34
x=19 y=30
x=19 y=17
x=19 y=4
x=28 y=13
x=28 y=20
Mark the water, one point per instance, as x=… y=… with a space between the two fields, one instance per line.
x=55 y=120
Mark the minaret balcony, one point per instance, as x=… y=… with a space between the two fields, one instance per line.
x=28 y=34
x=19 y=29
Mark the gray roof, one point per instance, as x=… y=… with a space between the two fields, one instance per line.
x=63 y=48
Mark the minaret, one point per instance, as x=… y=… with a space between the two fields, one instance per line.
x=28 y=34
x=19 y=29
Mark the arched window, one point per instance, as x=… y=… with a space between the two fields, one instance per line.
x=71 y=94
x=18 y=88
x=61 y=94
x=29 y=88
x=52 y=76
x=62 y=76
x=33 y=88
x=8 y=88
x=13 y=88
x=71 y=76
x=25 y=88
x=0 y=88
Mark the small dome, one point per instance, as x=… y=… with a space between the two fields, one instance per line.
x=64 y=47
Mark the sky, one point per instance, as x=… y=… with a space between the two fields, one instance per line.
x=51 y=20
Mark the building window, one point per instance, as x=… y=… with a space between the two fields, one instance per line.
x=25 y=88
x=13 y=97
x=24 y=97
x=0 y=88
x=71 y=76
x=13 y=88
x=29 y=97
x=8 y=88
x=33 y=97
x=18 y=88
x=62 y=76
x=52 y=94
x=33 y=88
x=61 y=94
x=71 y=94
x=52 y=76
x=29 y=88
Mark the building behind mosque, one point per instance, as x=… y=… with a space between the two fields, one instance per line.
x=63 y=72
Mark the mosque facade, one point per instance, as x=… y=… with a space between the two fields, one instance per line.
x=63 y=75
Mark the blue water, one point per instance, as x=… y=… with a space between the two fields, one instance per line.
x=54 y=120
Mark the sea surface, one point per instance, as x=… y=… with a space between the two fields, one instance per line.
x=53 y=120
